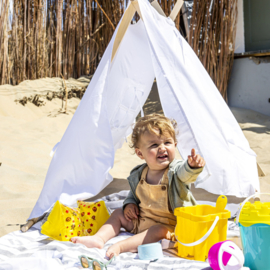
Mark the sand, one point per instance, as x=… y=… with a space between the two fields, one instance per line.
x=28 y=134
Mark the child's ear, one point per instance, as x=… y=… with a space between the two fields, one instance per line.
x=139 y=153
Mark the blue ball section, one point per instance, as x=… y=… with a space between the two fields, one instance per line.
x=256 y=246
x=150 y=251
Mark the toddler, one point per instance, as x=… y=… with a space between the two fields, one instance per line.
x=157 y=187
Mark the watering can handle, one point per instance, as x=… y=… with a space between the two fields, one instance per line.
x=244 y=202
x=232 y=249
x=203 y=238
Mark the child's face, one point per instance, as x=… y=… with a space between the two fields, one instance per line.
x=158 y=151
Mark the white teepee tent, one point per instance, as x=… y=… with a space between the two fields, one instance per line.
x=152 y=48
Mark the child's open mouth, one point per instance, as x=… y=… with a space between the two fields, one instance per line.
x=163 y=157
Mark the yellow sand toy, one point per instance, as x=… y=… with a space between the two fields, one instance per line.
x=200 y=227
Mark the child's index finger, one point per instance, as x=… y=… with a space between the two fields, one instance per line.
x=193 y=152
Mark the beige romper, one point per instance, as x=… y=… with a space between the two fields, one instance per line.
x=154 y=204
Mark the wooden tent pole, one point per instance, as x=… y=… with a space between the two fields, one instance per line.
x=31 y=222
x=137 y=7
x=158 y=8
x=176 y=9
x=128 y=15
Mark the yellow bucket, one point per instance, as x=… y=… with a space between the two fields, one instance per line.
x=200 y=227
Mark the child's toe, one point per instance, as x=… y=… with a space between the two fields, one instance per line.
x=108 y=254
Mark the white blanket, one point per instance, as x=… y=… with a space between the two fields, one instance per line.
x=32 y=250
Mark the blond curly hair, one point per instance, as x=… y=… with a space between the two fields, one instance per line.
x=154 y=123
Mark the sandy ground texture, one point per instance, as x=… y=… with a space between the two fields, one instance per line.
x=28 y=134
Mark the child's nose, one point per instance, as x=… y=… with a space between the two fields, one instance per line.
x=162 y=147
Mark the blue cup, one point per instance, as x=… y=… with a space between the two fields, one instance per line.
x=150 y=252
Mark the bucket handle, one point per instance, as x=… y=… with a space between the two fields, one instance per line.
x=244 y=202
x=203 y=238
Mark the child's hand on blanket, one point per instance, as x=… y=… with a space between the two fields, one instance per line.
x=131 y=211
x=195 y=161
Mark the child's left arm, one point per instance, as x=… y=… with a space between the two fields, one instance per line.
x=190 y=169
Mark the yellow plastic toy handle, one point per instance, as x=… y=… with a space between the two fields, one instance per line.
x=203 y=238
x=221 y=203
x=246 y=200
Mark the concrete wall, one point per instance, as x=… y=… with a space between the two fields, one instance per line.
x=240 y=38
x=249 y=86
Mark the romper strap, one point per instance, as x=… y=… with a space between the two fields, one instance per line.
x=144 y=173
x=165 y=179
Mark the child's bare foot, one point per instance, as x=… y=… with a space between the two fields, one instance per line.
x=113 y=250
x=89 y=241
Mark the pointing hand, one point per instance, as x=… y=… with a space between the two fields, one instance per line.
x=195 y=160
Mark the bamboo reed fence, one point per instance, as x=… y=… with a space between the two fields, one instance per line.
x=212 y=36
x=67 y=38
x=47 y=38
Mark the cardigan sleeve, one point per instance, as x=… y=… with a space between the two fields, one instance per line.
x=186 y=174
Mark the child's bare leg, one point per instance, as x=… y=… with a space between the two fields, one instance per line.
x=110 y=229
x=153 y=234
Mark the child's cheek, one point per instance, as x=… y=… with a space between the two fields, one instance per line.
x=152 y=153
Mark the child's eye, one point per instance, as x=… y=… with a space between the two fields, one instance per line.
x=154 y=145
x=168 y=142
